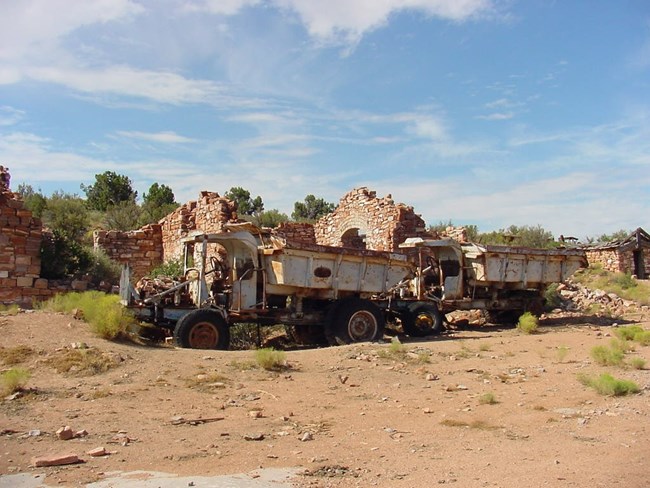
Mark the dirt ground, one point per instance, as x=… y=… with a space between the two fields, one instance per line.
x=360 y=415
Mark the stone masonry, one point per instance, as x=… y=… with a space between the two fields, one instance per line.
x=20 y=246
x=362 y=220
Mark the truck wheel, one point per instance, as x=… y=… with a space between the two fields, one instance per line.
x=355 y=320
x=202 y=329
x=422 y=320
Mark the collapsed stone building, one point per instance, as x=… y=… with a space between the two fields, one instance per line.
x=361 y=220
x=629 y=255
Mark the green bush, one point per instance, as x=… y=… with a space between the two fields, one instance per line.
x=627 y=332
x=488 y=399
x=270 y=359
x=172 y=269
x=104 y=313
x=606 y=384
x=14 y=380
x=605 y=356
x=527 y=323
x=552 y=298
x=625 y=281
x=637 y=363
x=103 y=268
x=62 y=256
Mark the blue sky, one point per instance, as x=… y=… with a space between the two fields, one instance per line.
x=485 y=112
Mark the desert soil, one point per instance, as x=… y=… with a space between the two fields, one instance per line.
x=359 y=415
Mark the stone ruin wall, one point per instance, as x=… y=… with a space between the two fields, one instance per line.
x=20 y=252
x=148 y=247
x=617 y=261
x=384 y=223
x=141 y=248
x=296 y=231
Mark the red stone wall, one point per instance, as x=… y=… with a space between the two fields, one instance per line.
x=617 y=261
x=384 y=223
x=20 y=246
x=142 y=248
x=296 y=231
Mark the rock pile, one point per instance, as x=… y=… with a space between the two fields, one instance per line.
x=576 y=297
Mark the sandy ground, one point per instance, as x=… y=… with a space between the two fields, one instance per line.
x=360 y=415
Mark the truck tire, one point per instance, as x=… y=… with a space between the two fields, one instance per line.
x=202 y=329
x=421 y=320
x=354 y=320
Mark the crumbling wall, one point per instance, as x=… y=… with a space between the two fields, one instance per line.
x=362 y=220
x=141 y=248
x=208 y=214
x=20 y=246
x=296 y=231
x=609 y=259
x=149 y=246
x=617 y=261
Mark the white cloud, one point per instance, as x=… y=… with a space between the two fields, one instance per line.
x=496 y=116
x=220 y=7
x=343 y=20
x=10 y=115
x=32 y=25
x=122 y=80
x=165 y=137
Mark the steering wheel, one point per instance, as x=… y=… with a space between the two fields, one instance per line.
x=217 y=267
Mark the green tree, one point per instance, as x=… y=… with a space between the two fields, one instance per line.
x=123 y=216
x=526 y=236
x=35 y=202
x=271 y=218
x=159 y=195
x=109 y=189
x=67 y=215
x=159 y=202
x=618 y=235
x=311 y=209
x=245 y=204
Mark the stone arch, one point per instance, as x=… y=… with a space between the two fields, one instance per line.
x=382 y=223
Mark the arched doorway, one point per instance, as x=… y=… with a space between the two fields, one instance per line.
x=355 y=238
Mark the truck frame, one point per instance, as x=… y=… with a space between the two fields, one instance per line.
x=341 y=295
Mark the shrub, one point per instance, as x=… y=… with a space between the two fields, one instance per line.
x=9 y=309
x=103 y=268
x=637 y=363
x=488 y=399
x=606 y=384
x=606 y=356
x=104 y=313
x=562 y=352
x=625 y=281
x=270 y=359
x=172 y=269
x=643 y=337
x=628 y=332
x=14 y=380
x=81 y=362
x=527 y=323
x=15 y=355
x=552 y=298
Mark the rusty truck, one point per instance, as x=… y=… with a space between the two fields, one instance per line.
x=340 y=295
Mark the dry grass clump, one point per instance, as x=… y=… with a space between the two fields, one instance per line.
x=605 y=356
x=80 y=362
x=488 y=398
x=9 y=309
x=207 y=381
x=474 y=424
x=606 y=384
x=13 y=380
x=270 y=359
x=637 y=363
x=16 y=354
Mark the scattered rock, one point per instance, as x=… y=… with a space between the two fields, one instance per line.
x=307 y=436
x=56 y=460
x=98 y=452
x=65 y=433
x=254 y=437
